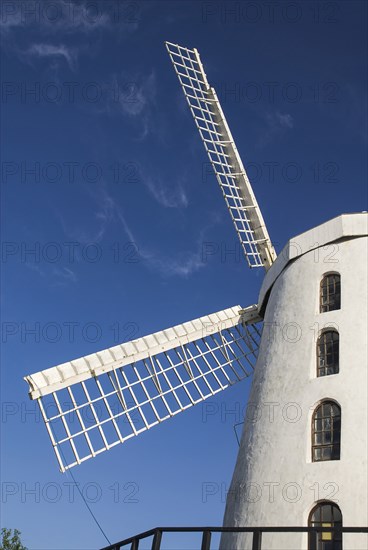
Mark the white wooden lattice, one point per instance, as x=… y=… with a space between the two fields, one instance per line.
x=94 y=403
x=223 y=155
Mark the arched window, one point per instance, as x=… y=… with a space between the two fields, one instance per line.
x=326 y=432
x=330 y=292
x=325 y=514
x=328 y=353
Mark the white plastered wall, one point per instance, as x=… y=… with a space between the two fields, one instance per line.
x=275 y=483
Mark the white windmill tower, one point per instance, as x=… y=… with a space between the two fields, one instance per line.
x=303 y=454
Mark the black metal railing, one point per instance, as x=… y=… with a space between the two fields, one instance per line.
x=158 y=532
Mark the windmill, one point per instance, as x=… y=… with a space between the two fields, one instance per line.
x=94 y=403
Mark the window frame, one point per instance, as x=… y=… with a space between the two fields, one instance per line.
x=327 y=303
x=335 y=352
x=334 y=444
x=316 y=540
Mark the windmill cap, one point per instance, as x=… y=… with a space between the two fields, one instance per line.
x=343 y=226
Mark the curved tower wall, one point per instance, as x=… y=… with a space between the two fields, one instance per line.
x=275 y=482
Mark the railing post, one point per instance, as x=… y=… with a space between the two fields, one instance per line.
x=134 y=545
x=206 y=540
x=257 y=539
x=312 y=540
x=156 y=543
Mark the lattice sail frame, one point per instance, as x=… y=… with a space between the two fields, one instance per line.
x=91 y=404
x=224 y=157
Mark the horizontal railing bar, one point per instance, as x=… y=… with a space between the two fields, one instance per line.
x=162 y=530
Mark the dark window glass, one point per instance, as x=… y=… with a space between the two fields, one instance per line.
x=325 y=514
x=328 y=353
x=330 y=294
x=326 y=432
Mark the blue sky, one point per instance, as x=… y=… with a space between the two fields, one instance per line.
x=114 y=225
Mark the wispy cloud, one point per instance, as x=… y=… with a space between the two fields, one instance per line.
x=109 y=212
x=100 y=220
x=169 y=197
x=133 y=93
x=56 y=276
x=285 y=120
x=55 y=52
x=35 y=267
x=132 y=96
x=66 y=274
x=64 y=20
x=185 y=264
x=67 y=16
x=276 y=124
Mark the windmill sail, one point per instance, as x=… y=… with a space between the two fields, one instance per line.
x=98 y=401
x=223 y=156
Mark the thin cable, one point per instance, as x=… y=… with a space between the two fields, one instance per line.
x=88 y=507
x=236 y=433
x=81 y=494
